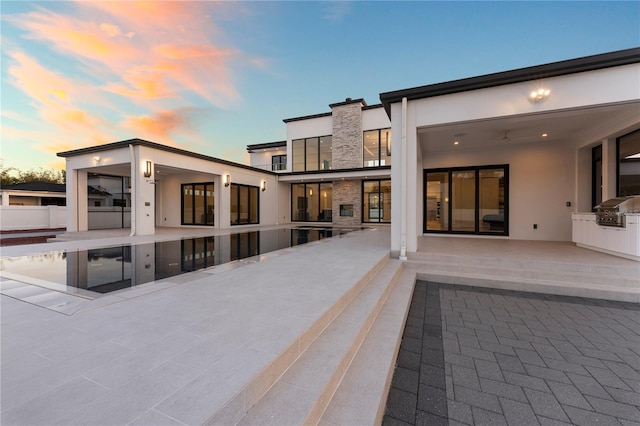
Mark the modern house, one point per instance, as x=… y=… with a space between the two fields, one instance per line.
x=514 y=154
x=33 y=194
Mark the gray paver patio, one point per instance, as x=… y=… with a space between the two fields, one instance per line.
x=516 y=358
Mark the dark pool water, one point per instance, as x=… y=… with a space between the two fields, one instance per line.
x=107 y=269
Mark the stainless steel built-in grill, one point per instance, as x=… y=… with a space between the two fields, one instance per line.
x=612 y=212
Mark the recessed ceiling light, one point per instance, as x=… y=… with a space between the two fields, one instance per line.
x=544 y=135
x=456 y=142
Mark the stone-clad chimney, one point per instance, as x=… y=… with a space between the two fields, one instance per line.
x=347 y=134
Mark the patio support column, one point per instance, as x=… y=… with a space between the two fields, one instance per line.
x=609 y=166
x=403 y=190
x=5 y=198
x=133 y=181
x=77 y=200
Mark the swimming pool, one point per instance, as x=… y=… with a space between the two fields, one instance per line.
x=107 y=269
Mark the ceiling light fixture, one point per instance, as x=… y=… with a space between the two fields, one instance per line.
x=539 y=95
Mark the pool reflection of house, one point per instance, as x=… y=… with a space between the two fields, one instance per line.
x=513 y=155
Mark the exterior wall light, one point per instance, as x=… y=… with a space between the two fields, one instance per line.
x=96 y=158
x=263 y=185
x=227 y=180
x=147 y=169
x=539 y=95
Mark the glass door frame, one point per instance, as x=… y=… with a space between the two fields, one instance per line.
x=476 y=170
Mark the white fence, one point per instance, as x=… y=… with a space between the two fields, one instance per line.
x=32 y=217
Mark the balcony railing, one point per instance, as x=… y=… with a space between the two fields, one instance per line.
x=274 y=167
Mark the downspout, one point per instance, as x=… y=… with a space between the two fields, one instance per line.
x=403 y=182
x=132 y=181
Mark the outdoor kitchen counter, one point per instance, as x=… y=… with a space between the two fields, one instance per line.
x=623 y=242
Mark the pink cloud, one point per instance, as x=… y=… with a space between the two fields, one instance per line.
x=154 y=56
x=161 y=125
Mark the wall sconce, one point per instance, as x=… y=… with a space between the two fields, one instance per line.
x=539 y=95
x=263 y=185
x=147 y=169
x=96 y=158
x=227 y=180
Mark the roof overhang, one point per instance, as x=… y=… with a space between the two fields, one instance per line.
x=555 y=69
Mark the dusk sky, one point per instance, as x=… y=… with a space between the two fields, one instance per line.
x=213 y=77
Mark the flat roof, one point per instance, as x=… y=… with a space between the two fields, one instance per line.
x=554 y=69
x=267 y=145
x=328 y=114
x=154 y=145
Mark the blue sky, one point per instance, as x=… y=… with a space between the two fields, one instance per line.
x=213 y=77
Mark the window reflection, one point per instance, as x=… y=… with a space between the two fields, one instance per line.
x=629 y=164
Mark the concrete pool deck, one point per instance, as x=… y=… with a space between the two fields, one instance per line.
x=241 y=343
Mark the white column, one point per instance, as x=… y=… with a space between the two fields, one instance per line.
x=403 y=184
x=609 y=167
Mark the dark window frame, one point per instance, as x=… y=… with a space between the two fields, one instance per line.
x=618 y=160
x=379 y=146
x=249 y=188
x=193 y=207
x=596 y=157
x=477 y=219
x=362 y=198
x=278 y=165
x=316 y=186
x=317 y=140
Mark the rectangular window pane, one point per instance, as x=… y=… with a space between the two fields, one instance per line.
x=243 y=205
x=198 y=196
x=187 y=204
x=313 y=196
x=371 y=200
x=253 y=204
x=326 y=203
x=437 y=206
x=385 y=192
x=385 y=147
x=629 y=164
x=491 y=202
x=209 y=197
x=463 y=212
x=235 y=216
x=325 y=152
x=371 y=143
x=298 y=202
x=298 y=155
x=312 y=154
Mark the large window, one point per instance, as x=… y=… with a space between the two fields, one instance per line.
x=470 y=200
x=377 y=148
x=376 y=201
x=198 y=204
x=245 y=204
x=629 y=164
x=311 y=202
x=312 y=154
x=109 y=201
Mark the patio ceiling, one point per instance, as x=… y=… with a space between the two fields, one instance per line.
x=125 y=170
x=568 y=126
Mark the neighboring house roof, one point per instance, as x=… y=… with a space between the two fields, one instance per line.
x=268 y=145
x=154 y=145
x=97 y=190
x=554 y=69
x=36 y=186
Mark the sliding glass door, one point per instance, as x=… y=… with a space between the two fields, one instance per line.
x=474 y=202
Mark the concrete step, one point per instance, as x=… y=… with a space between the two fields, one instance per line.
x=619 y=267
x=484 y=278
x=539 y=271
x=303 y=392
x=361 y=397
